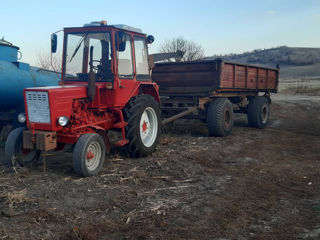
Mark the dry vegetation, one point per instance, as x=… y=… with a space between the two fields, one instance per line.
x=294 y=62
x=254 y=184
x=302 y=87
x=282 y=55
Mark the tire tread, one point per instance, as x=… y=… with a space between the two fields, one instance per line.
x=79 y=152
x=131 y=114
x=215 y=122
x=253 y=111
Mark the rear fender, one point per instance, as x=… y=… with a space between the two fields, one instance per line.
x=151 y=89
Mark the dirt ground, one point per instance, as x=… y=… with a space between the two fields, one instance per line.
x=253 y=184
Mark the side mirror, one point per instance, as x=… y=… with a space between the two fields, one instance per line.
x=121 y=41
x=54 y=42
x=150 y=39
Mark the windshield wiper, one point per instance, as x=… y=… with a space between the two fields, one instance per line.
x=78 y=46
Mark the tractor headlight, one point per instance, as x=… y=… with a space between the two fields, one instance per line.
x=63 y=121
x=21 y=118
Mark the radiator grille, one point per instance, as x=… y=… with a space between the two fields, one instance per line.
x=38 y=107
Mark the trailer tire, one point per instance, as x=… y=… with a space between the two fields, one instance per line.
x=220 y=117
x=258 y=112
x=14 y=152
x=143 y=130
x=88 y=155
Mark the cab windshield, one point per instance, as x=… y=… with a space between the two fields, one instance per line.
x=77 y=56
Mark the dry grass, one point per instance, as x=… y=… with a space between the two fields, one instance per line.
x=18 y=197
x=300 y=87
x=254 y=184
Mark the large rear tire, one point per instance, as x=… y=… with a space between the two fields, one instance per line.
x=89 y=154
x=220 y=117
x=258 y=112
x=14 y=151
x=143 y=116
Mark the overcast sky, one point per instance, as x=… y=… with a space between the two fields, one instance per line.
x=221 y=27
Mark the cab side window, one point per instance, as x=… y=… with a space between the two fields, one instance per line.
x=125 y=68
x=141 y=57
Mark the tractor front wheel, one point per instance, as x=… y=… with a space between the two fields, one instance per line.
x=143 y=116
x=89 y=154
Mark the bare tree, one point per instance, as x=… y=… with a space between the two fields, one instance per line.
x=192 y=51
x=44 y=61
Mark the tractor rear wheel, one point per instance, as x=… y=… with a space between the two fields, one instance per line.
x=258 y=112
x=220 y=117
x=143 y=116
x=14 y=151
x=89 y=154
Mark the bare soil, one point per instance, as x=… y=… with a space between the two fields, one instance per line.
x=253 y=184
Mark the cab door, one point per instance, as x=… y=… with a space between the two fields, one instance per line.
x=126 y=72
x=141 y=59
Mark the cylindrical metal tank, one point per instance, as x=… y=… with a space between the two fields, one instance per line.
x=15 y=76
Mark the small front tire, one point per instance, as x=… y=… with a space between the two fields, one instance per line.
x=89 y=155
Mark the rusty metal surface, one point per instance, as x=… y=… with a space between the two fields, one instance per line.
x=28 y=140
x=204 y=78
x=247 y=77
x=41 y=140
x=187 y=74
x=175 y=117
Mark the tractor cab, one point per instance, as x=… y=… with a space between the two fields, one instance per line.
x=115 y=55
x=112 y=56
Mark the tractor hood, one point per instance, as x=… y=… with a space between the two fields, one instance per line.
x=44 y=105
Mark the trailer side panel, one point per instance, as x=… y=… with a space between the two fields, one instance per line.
x=205 y=78
x=246 y=77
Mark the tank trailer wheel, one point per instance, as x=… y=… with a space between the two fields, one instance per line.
x=15 y=152
x=143 y=116
x=89 y=154
x=220 y=117
x=258 y=112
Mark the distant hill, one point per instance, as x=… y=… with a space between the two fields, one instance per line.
x=293 y=62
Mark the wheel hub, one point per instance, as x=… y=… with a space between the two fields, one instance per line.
x=93 y=155
x=148 y=127
x=227 y=118
x=90 y=155
x=144 y=126
x=264 y=114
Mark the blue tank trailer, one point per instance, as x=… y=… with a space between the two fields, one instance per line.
x=14 y=77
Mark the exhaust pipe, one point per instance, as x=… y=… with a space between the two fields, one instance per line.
x=92 y=78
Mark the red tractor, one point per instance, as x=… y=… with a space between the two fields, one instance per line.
x=105 y=85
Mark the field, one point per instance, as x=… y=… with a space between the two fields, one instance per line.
x=253 y=184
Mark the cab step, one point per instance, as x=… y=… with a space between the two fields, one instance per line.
x=121 y=143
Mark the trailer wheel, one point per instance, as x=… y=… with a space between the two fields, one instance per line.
x=14 y=151
x=220 y=117
x=143 y=116
x=258 y=112
x=89 y=154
